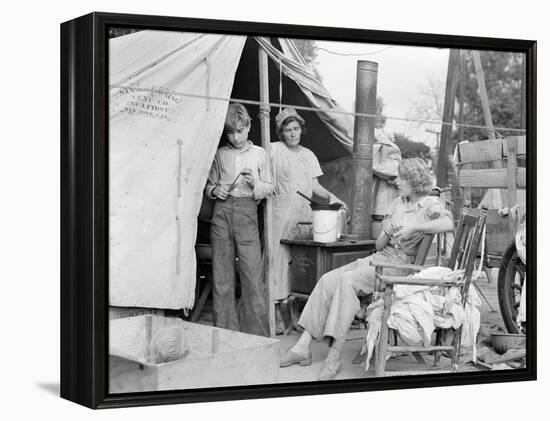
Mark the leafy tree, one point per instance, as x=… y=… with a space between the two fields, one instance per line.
x=503 y=73
x=411 y=149
x=308 y=50
x=429 y=102
x=380 y=104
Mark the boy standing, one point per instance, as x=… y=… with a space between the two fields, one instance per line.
x=238 y=179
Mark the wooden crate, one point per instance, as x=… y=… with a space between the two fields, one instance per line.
x=217 y=357
x=125 y=312
x=499 y=236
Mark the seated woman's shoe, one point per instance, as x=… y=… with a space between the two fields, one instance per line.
x=332 y=366
x=359 y=358
x=291 y=357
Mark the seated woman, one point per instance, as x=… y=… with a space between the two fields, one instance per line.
x=333 y=303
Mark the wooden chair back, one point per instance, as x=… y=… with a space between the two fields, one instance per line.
x=424 y=249
x=466 y=244
x=463 y=255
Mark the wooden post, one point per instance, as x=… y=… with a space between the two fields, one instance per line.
x=448 y=114
x=268 y=209
x=466 y=191
x=482 y=90
x=486 y=110
x=512 y=169
x=363 y=139
x=461 y=93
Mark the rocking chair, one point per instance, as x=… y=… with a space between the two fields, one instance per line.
x=463 y=256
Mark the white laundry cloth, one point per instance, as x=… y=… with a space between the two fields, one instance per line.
x=417 y=310
x=522 y=253
x=374 y=320
x=522 y=317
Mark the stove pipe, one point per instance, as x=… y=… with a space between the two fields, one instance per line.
x=363 y=139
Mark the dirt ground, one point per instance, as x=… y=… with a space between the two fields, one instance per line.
x=491 y=320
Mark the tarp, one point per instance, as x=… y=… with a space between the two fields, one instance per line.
x=293 y=67
x=161 y=145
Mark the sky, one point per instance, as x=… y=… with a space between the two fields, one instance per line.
x=402 y=72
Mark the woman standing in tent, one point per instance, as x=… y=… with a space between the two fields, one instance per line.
x=295 y=168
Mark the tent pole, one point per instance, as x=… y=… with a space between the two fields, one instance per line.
x=268 y=209
x=363 y=139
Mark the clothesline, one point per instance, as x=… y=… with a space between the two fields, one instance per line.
x=305 y=108
x=355 y=54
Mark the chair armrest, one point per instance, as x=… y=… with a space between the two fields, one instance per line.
x=404 y=280
x=403 y=266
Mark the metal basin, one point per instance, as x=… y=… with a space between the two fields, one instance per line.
x=503 y=342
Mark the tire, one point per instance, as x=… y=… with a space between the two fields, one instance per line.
x=511 y=276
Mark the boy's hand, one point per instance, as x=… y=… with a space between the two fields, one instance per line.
x=221 y=192
x=248 y=177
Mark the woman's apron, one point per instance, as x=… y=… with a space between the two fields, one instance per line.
x=292 y=173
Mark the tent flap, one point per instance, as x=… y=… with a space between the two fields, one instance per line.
x=338 y=123
x=161 y=145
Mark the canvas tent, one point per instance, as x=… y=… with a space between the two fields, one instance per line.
x=168 y=100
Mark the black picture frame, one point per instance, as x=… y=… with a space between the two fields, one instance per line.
x=84 y=204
